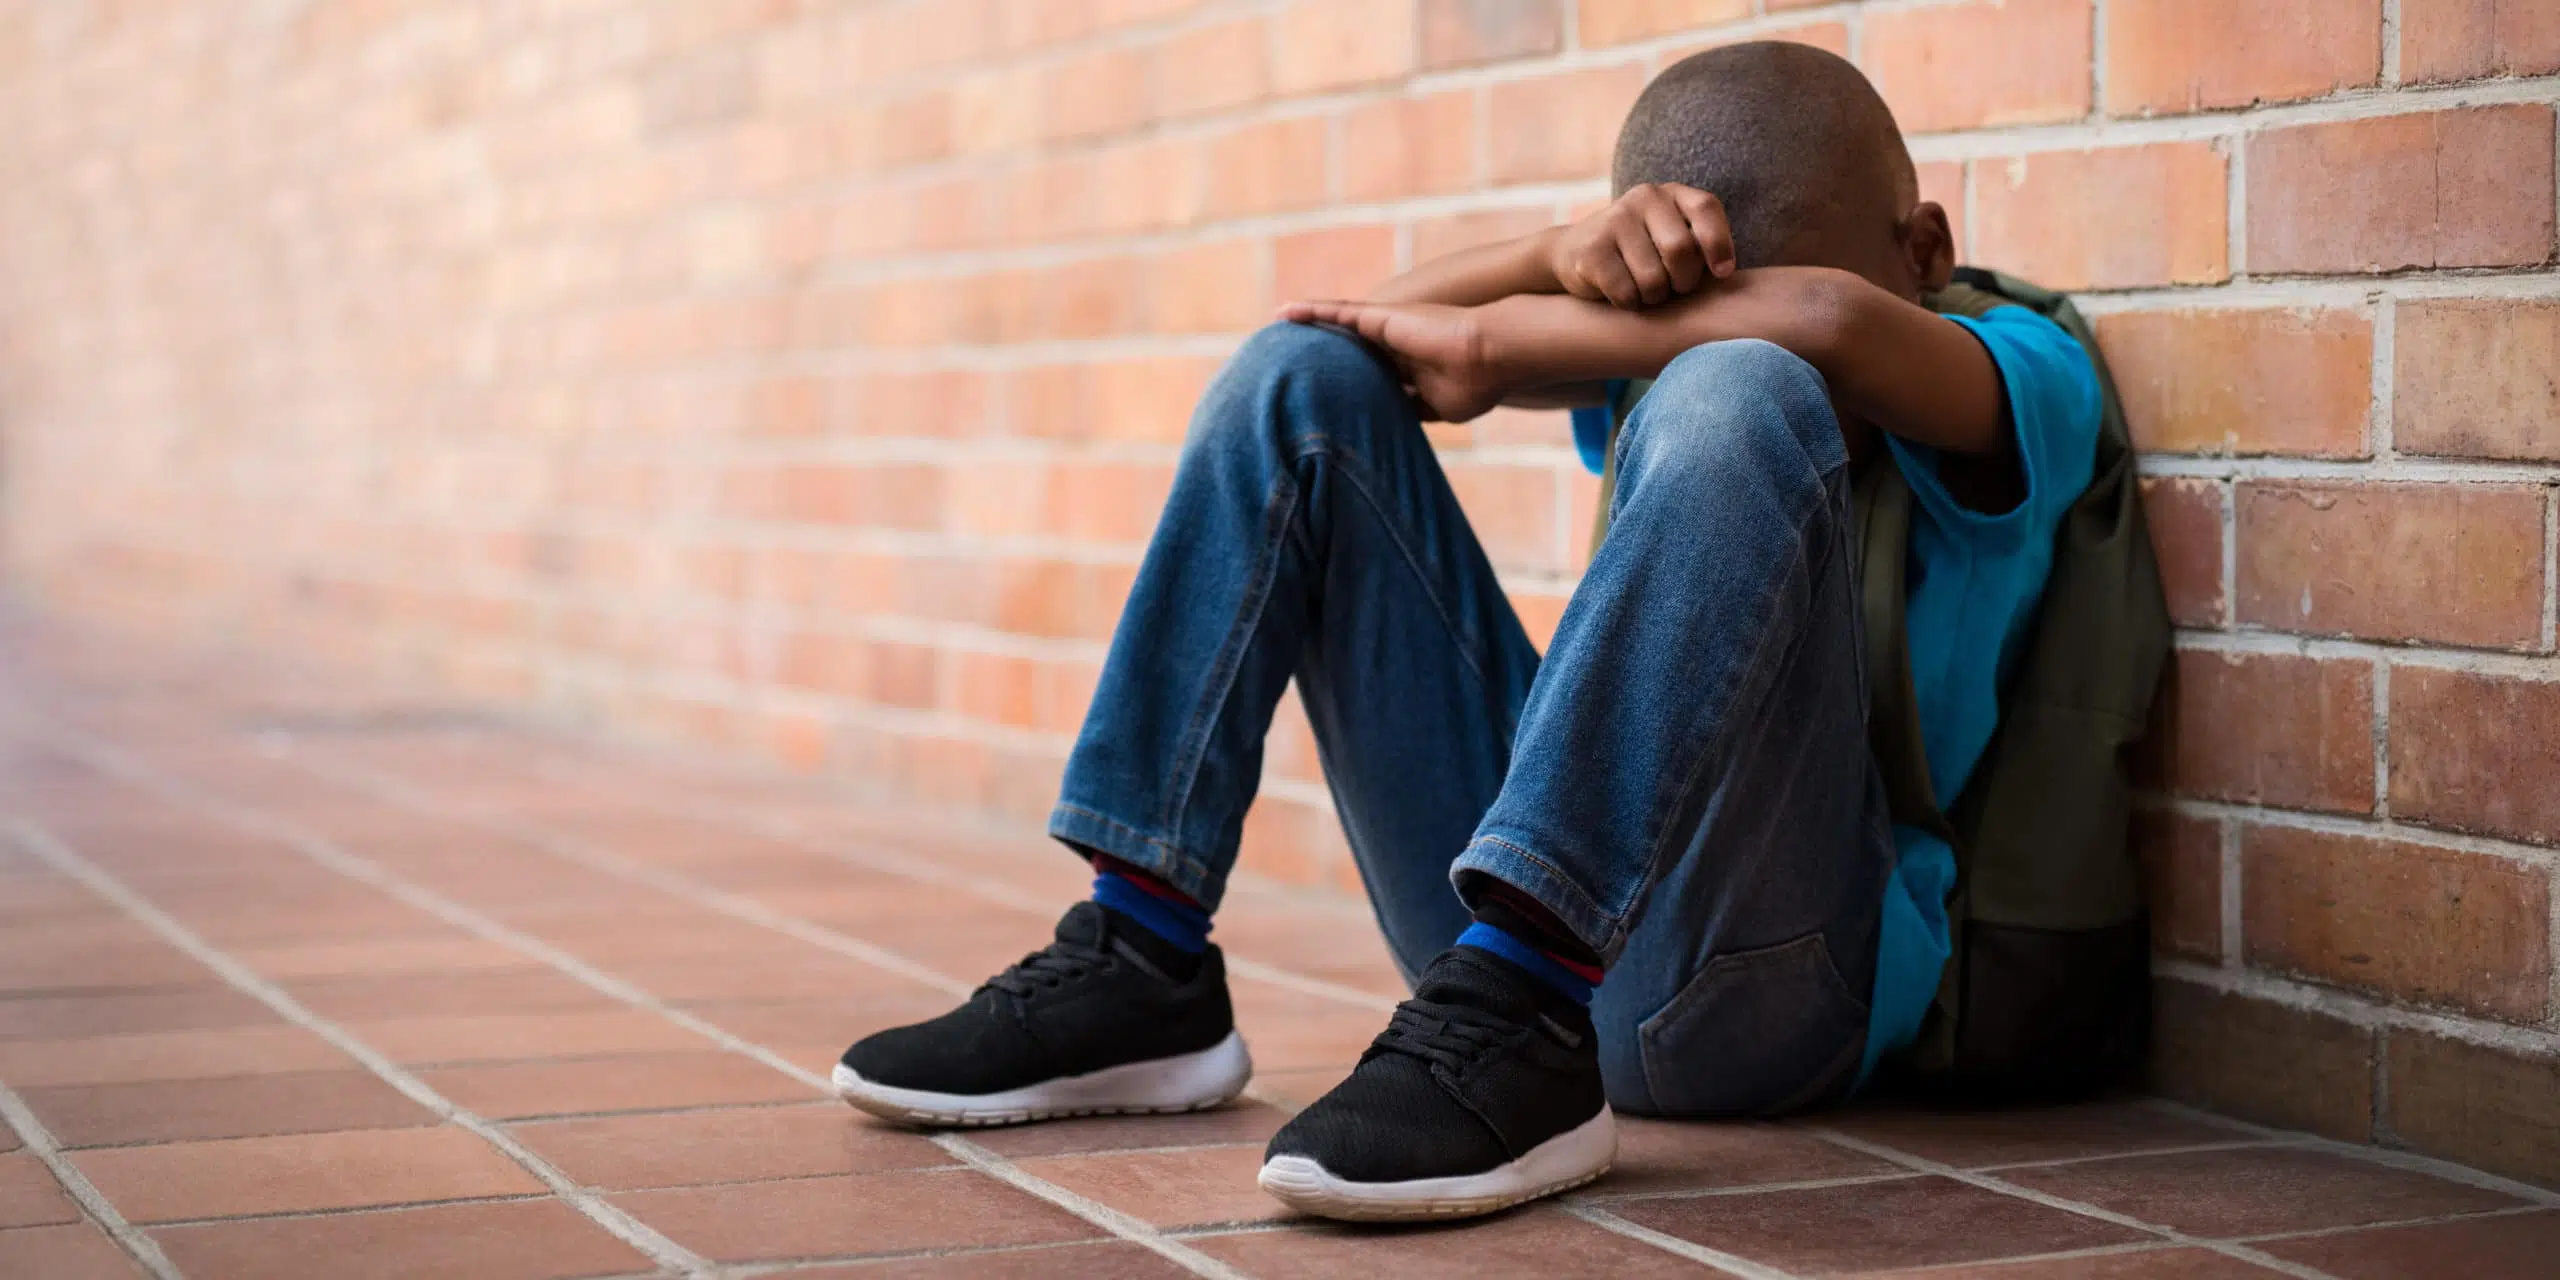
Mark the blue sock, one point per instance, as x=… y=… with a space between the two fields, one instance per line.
x=1573 y=981
x=1151 y=903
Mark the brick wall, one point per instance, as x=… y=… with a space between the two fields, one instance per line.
x=800 y=378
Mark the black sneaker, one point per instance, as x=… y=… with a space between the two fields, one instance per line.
x=1484 y=1091
x=1098 y=1023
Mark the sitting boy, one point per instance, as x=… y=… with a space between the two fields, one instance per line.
x=1677 y=888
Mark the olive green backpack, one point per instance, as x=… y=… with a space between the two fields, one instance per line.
x=2046 y=991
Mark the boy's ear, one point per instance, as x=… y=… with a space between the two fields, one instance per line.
x=1929 y=246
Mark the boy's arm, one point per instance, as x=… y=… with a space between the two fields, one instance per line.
x=1887 y=361
x=1475 y=276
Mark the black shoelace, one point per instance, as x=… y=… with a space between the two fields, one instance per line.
x=1048 y=969
x=1449 y=1035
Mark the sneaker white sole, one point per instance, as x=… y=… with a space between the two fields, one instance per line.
x=1560 y=1163
x=1184 y=1082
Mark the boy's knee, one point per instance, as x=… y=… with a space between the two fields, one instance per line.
x=1293 y=378
x=1710 y=395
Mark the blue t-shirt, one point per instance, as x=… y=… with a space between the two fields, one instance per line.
x=1974 y=580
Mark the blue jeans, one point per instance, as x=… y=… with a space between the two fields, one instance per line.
x=1684 y=781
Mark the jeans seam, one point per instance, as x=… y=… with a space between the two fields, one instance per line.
x=1193 y=746
x=1346 y=462
x=1689 y=784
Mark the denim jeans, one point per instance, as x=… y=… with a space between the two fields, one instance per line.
x=1684 y=780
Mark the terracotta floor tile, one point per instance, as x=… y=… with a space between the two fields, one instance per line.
x=739 y=1144
x=1287 y=1030
x=225 y=1107
x=841 y=1020
x=638 y=1082
x=1908 y=1222
x=517 y=1036
x=458 y=953
x=301 y=1172
x=509 y=1240
x=1106 y=1260
x=75 y=1252
x=1196 y=1187
x=1676 y=1155
x=74 y=965
x=448 y=995
x=8 y=1139
x=1970 y=1139
x=810 y=975
x=2142 y=1264
x=1298 y=1087
x=166 y=1055
x=2508 y=1247
x=863 y=1213
x=29 y=1197
x=1539 y=1242
x=126 y=1012
x=2257 y=1191
x=1242 y=1121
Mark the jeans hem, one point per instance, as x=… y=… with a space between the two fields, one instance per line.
x=1512 y=863
x=1082 y=828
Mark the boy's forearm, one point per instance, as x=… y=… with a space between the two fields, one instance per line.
x=1545 y=341
x=1480 y=275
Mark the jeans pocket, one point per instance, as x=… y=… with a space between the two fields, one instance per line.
x=1756 y=1032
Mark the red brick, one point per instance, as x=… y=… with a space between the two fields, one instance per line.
x=1560 y=127
x=2269 y=729
x=2060 y=217
x=1401 y=147
x=1023 y=693
x=1606 y=22
x=2185 y=516
x=2495 y=1109
x=2462 y=188
x=2456 y=564
x=2231 y=381
x=1096 y=93
x=1145 y=186
x=1214 y=68
x=2476 y=752
x=1267 y=167
x=2466 y=39
x=1335 y=44
x=1125 y=401
x=1337 y=262
x=2477 y=378
x=2182 y=874
x=1216 y=287
x=1440 y=237
x=2168 y=56
x=1831 y=37
x=1514 y=512
x=1460 y=33
x=1930 y=63
x=2408 y=922
x=2215 y=1049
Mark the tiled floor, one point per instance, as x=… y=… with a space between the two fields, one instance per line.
x=299 y=981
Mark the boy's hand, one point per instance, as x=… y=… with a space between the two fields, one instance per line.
x=1652 y=244
x=1439 y=349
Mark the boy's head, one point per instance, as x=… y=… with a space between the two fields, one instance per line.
x=1803 y=153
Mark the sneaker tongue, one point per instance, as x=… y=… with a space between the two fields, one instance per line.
x=1085 y=924
x=1480 y=980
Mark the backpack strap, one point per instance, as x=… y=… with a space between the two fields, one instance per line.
x=1881 y=506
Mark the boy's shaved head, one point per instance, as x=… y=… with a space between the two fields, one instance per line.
x=1799 y=147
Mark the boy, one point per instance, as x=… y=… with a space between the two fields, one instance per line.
x=1677 y=889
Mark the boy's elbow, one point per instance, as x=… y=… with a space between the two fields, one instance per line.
x=1825 y=311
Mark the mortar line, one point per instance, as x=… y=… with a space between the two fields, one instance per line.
x=2233 y=888
x=2002 y=1186
x=2357 y=1011
x=2357 y=825
x=2390 y=44
x=62 y=858
x=2381 y=739
x=326 y=853
x=40 y=1143
x=1733 y=1263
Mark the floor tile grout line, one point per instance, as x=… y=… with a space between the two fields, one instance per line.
x=2004 y=1187
x=1732 y=1264
x=2271 y=1142
x=657 y=1248
x=1604 y=1199
x=314 y=847
x=2429 y=1220
x=350 y=1211
x=38 y=1141
x=791 y=833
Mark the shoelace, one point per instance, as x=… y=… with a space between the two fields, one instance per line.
x=1450 y=1035
x=1048 y=969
